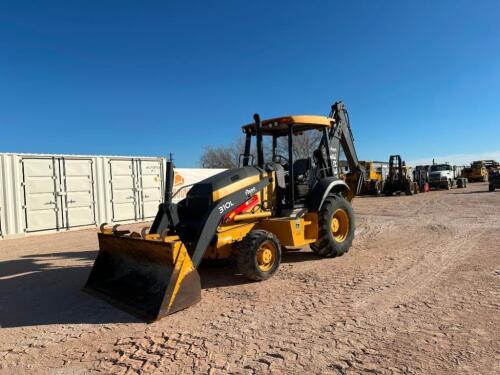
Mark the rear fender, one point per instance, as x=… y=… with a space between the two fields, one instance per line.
x=322 y=189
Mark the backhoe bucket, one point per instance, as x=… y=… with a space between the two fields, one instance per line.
x=148 y=278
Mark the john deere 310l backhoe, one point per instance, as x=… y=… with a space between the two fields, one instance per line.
x=251 y=213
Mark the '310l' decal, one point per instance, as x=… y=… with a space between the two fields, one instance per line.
x=226 y=206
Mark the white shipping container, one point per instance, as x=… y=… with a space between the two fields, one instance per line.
x=47 y=193
x=51 y=193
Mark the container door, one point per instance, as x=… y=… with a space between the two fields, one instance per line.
x=149 y=181
x=123 y=194
x=78 y=192
x=40 y=186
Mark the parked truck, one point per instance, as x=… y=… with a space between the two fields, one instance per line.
x=444 y=176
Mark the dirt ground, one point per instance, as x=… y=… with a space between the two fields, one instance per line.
x=419 y=293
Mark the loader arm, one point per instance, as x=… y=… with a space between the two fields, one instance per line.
x=167 y=219
x=213 y=218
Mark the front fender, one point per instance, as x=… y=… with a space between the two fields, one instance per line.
x=321 y=189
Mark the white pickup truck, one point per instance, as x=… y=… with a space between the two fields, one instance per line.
x=443 y=176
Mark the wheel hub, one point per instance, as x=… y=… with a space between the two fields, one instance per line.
x=340 y=225
x=335 y=224
x=266 y=257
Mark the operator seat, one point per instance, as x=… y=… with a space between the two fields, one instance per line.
x=301 y=172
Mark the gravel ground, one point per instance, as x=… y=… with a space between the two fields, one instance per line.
x=417 y=294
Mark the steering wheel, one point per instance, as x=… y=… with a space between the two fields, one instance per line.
x=281 y=160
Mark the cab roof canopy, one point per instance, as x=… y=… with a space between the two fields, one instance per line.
x=279 y=126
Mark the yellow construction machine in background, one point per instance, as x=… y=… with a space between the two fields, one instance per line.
x=373 y=180
x=477 y=172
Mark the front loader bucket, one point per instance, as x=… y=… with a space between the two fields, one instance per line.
x=148 y=278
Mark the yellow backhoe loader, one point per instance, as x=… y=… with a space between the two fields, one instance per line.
x=251 y=213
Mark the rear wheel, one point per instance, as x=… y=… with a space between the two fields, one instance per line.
x=335 y=227
x=259 y=255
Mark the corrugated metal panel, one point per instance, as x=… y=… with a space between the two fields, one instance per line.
x=123 y=191
x=150 y=192
x=58 y=193
x=12 y=199
x=41 y=204
x=78 y=192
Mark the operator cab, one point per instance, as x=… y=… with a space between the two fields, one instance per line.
x=295 y=176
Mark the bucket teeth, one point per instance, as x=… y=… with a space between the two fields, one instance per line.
x=102 y=227
x=144 y=232
x=118 y=232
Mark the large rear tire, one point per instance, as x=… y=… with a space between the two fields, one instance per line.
x=336 y=225
x=259 y=255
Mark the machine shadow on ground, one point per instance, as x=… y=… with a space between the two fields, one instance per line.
x=35 y=290
x=226 y=274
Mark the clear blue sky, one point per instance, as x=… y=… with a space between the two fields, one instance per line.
x=420 y=78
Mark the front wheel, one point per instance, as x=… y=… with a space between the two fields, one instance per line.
x=492 y=187
x=259 y=255
x=336 y=226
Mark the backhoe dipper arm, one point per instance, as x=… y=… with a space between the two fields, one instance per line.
x=341 y=134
